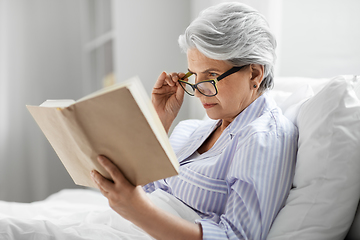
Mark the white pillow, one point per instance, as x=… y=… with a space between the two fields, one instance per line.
x=290 y=103
x=288 y=84
x=291 y=106
x=326 y=185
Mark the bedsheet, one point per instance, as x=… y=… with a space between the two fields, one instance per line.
x=77 y=214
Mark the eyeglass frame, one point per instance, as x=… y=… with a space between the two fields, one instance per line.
x=212 y=81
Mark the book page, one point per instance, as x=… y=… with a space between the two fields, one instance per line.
x=104 y=90
x=153 y=119
x=57 y=103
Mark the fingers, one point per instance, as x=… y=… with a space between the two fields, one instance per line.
x=104 y=183
x=161 y=80
x=168 y=79
x=110 y=167
x=173 y=78
x=181 y=75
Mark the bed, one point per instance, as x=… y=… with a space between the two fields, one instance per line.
x=321 y=205
x=75 y=214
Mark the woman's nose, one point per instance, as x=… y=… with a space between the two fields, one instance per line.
x=197 y=94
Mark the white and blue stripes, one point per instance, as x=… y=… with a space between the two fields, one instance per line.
x=240 y=184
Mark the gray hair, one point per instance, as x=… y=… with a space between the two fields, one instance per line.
x=235 y=33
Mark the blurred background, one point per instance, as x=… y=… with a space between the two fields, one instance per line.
x=65 y=49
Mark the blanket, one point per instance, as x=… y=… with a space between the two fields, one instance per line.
x=77 y=214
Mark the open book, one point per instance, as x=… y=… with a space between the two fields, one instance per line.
x=119 y=122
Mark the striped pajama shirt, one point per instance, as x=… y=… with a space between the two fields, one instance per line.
x=241 y=183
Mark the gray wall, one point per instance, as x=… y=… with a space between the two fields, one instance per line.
x=146 y=40
x=43 y=60
x=319 y=38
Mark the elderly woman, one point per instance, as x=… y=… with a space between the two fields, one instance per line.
x=236 y=169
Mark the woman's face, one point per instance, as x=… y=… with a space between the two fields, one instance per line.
x=235 y=92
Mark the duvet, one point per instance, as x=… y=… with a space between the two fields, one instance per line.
x=77 y=214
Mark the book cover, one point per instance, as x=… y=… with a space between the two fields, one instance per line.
x=119 y=122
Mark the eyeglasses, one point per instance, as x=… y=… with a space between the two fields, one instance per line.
x=206 y=87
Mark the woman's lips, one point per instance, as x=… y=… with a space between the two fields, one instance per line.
x=208 y=105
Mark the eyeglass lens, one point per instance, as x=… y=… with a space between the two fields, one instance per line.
x=206 y=87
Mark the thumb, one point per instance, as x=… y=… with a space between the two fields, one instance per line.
x=179 y=93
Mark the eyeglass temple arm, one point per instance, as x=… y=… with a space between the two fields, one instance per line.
x=188 y=74
x=231 y=71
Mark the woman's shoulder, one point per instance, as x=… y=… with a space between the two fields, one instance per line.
x=271 y=121
x=275 y=122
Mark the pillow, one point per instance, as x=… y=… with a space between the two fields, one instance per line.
x=279 y=96
x=326 y=185
x=302 y=93
x=291 y=106
x=291 y=92
x=290 y=103
x=288 y=84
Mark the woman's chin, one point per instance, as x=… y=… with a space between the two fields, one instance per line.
x=212 y=116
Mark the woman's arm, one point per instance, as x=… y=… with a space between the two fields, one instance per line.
x=133 y=204
x=167 y=97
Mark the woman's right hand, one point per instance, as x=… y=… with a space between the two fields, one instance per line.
x=167 y=97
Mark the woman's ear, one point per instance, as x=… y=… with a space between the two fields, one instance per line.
x=257 y=75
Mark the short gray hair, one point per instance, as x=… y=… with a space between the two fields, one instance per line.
x=236 y=33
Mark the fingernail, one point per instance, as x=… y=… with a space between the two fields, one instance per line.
x=92 y=173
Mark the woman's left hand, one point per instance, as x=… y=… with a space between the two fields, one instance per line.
x=124 y=198
x=132 y=203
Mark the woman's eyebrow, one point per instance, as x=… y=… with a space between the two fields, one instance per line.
x=191 y=71
x=211 y=70
x=206 y=70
